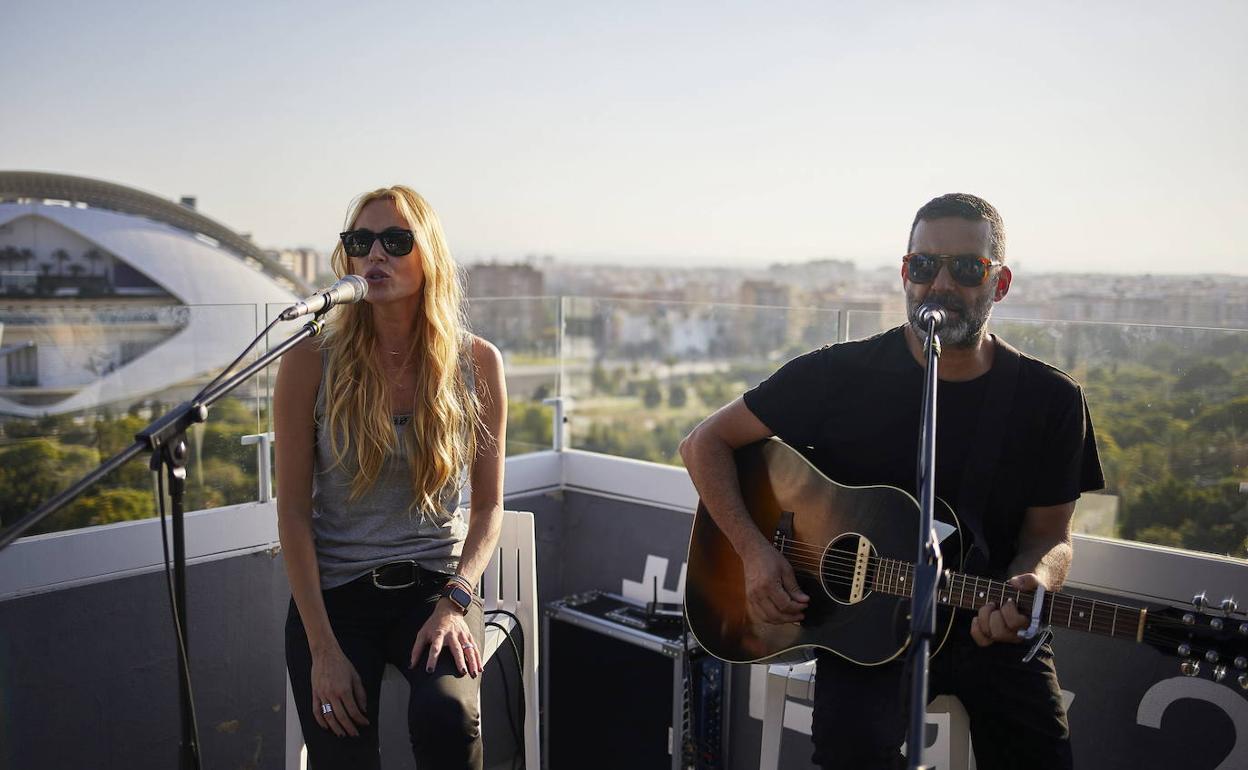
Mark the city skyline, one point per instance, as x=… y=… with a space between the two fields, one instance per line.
x=1110 y=137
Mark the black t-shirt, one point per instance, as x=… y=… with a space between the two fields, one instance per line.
x=853 y=409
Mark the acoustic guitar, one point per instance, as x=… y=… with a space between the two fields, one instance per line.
x=852 y=547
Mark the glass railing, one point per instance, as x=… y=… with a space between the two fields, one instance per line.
x=77 y=381
x=639 y=375
x=1170 y=404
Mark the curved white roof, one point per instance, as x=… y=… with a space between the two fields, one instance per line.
x=227 y=300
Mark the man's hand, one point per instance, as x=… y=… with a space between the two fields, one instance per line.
x=1002 y=624
x=771 y=589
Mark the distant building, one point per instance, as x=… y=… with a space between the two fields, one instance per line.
x=109 y=294
x=765 y=327
x=304 y=263
x=506 y=301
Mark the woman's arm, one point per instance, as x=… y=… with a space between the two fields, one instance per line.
x=446 y=627
x=334 y=679
x=486 y=516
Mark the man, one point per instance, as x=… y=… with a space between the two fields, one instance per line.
x=853 y=409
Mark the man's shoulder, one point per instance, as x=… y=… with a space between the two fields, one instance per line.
x=884 y=343
x=1043 y=374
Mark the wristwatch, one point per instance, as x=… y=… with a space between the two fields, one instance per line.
x=455 y=593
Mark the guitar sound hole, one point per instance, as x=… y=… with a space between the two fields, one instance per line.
x=838 y=570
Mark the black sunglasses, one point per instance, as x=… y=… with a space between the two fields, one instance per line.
x=967 y=269
x=395 y=240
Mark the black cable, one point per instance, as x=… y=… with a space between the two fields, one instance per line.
x=177 y=624
x=516 y=733
x=205 y=390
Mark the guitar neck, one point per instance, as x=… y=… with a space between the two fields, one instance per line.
x=970 y=592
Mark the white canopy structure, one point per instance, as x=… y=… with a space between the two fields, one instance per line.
x=226 y=299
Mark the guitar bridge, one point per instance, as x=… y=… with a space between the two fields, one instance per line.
x=861 y=560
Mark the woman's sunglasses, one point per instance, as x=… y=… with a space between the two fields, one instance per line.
x=968 y=270
x=395 y=240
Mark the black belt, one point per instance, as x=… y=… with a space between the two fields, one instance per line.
x=404 y=574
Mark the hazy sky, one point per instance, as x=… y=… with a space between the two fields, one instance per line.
x=1111 y=135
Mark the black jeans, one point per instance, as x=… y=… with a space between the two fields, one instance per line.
x=375 y=627
x=1015 y=708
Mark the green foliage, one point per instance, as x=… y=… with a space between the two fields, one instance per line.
x=529 y=427
x=651 y=396
x=677 y=396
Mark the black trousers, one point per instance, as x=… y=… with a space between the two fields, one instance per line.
x=375 y=627
x=1015 y=708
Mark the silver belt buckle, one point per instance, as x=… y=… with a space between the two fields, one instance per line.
x=409 y=562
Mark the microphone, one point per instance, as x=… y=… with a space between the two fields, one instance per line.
x=346 y=290
x=930 y=312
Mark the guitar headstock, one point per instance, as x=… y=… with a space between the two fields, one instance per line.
x=1209 y=639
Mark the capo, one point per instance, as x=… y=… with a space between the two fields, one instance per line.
x=1045 y=635
x=1036 y=605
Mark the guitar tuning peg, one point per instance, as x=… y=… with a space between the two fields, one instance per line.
x=1229 y=605
x=1241 y=662
x=1212 y=656
x=1199 y=602
x=1243 y=629
x=1219 y=673
x=1215 y=624
x=1190 y=667
x=1243 y=681
x=1184 y=650
x=1189 y=619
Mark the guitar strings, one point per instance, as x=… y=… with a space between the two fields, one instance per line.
x=812 y=559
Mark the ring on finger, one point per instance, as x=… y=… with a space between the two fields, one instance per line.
x=467 y=645
x=326 y=708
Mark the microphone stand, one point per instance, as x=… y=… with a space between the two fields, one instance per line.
x=165 y=438
x=928 y=565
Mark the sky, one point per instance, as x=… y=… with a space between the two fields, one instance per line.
x=1110 y=135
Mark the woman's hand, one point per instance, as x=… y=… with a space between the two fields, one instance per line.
x=336 y=682
x=447 y=629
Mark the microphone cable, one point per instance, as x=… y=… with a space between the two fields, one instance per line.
x=204 y=391
x=516 y=733
x=184 y=659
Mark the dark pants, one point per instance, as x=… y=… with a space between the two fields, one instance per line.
x=1015 y=708
x=375 y=627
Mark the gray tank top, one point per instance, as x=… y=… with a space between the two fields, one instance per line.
x=353 y=538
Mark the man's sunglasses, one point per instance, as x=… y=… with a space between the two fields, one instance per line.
x=967 y=269
x=395 y=240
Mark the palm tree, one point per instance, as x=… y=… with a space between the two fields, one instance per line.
x=93 y=256
x=61 y=256
x=27 y=257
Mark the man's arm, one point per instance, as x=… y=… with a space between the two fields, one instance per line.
x=771 y=586
x=1044 y=556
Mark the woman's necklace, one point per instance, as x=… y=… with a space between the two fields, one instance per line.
x=395 y=374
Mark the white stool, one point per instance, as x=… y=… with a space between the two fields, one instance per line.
x=951 y=751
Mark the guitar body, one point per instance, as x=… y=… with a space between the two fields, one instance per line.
x=822 y=528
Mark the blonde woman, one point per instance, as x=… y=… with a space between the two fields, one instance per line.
x=379 y=422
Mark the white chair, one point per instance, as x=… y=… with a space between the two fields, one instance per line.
x=951 y=751
x=509 y=583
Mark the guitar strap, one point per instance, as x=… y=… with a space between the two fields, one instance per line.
x=979 y=474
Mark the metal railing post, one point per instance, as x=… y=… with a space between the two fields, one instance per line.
x=264 y=463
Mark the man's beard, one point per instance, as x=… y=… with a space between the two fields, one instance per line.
x=965 y=327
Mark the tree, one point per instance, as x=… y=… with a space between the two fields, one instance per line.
x=94 y=257
x=61 y=256
x=676 y=395
x=651 y=396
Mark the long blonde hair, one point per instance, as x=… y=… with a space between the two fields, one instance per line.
x=441 y=437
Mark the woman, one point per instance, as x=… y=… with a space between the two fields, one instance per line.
x=377 y=423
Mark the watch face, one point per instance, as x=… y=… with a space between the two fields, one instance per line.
x=459 y=596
